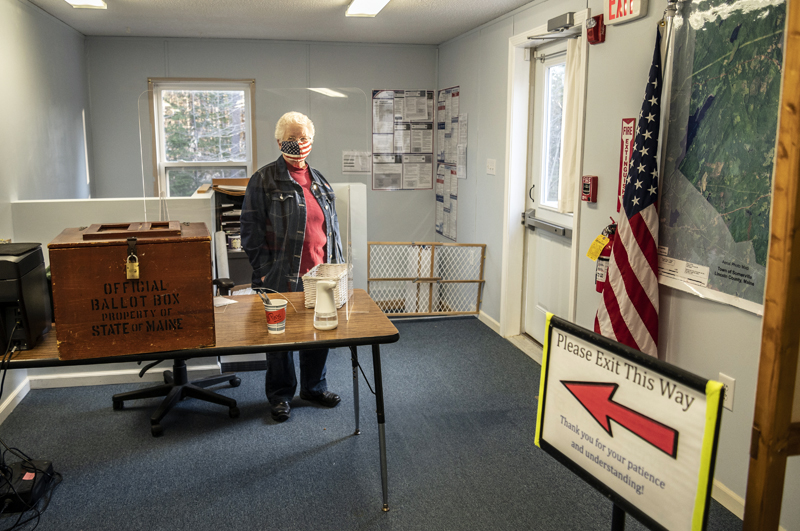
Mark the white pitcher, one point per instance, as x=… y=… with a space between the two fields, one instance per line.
x=325 y=315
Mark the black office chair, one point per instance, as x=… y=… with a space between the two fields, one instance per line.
x=177 y=386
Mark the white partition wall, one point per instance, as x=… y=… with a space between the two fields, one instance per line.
x=42 y=221
x=351 y=208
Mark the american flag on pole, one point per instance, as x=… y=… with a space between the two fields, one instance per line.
x=628 y=312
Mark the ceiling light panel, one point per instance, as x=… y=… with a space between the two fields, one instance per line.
x=365 y=8
x=87 y=4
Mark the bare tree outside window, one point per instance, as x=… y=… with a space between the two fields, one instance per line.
x=203 y=135
x=554 y=115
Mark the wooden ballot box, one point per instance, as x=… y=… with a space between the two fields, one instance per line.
x=102 y=309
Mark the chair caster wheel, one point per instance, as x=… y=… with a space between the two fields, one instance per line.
x=156 y=430
x=233 y=412
x=236 y=382
x=118 y=404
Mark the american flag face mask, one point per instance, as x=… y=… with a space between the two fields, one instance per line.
x=295 y=151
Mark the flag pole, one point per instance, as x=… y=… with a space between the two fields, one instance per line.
x=667 y=22
x=628 y=312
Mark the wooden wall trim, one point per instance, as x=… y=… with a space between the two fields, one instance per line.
x=780 y=335
x=793 y=443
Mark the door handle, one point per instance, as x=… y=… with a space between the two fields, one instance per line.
x=533 y=223
x=529 y=193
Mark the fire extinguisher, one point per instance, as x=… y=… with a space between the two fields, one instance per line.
x=601 y=271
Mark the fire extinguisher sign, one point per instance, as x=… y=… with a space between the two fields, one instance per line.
x=625 y=153
x=642 y=432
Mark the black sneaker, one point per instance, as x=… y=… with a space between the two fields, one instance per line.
x=281 y=411
x=325 y=398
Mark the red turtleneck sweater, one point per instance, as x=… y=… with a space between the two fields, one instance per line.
x=316 y=240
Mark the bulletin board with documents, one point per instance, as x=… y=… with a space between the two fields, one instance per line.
x=451 y=159
x=402 y=139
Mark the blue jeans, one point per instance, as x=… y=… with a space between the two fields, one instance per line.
x=281 y=381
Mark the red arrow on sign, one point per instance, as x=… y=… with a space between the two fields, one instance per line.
x=596 y=398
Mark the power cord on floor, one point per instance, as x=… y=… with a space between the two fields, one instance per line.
x=37 y=507
x=7 y=355
x=27 y=465
x=6 y=480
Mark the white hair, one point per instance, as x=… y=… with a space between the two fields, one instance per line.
x=293 y=117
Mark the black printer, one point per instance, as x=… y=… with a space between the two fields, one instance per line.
x=25 y=312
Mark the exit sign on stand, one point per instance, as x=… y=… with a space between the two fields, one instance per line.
x=619 y=11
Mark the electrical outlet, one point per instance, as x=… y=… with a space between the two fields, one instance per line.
x=491 y=166
x=729 y=384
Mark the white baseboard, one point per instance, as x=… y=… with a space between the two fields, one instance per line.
x=78 y=379
x=13 y=399
x=730 y=500
x=488 y=321
x=119 y=376
x=528 y=346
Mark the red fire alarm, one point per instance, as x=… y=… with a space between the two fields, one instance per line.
x=589 y=188
x=596 y=30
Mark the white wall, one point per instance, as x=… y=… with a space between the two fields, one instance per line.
x=119 y=69
x=44 y=93
x=478 y=62
x=703 y=337
x=41 y=132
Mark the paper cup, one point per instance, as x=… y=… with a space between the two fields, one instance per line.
x=276 y=316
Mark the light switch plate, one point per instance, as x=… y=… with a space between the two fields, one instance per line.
x=491 y=166
x=729 y=384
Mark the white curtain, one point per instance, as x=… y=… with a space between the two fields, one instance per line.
x=571 y=154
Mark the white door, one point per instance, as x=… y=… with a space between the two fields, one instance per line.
x=547 y=252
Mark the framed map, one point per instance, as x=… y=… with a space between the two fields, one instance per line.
x=716 y=190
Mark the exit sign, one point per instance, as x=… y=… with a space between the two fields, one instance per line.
x=619 y=11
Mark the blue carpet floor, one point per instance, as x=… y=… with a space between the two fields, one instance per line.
x=460 y=423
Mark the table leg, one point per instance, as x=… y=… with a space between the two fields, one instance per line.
x=617 y=518
x=354 y=358
x=376 y=364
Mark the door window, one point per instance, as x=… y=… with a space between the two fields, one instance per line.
x=552 y=135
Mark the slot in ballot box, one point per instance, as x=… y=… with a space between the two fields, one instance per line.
x=101 y=309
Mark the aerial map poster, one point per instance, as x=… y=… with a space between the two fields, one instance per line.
x=717 y=176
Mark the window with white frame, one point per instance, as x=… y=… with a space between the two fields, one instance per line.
x=204 y=130
x=552 y=134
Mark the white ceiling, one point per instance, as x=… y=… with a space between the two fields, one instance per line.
x=401 y=21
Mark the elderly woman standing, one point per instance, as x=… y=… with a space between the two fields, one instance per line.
x=288 y=226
